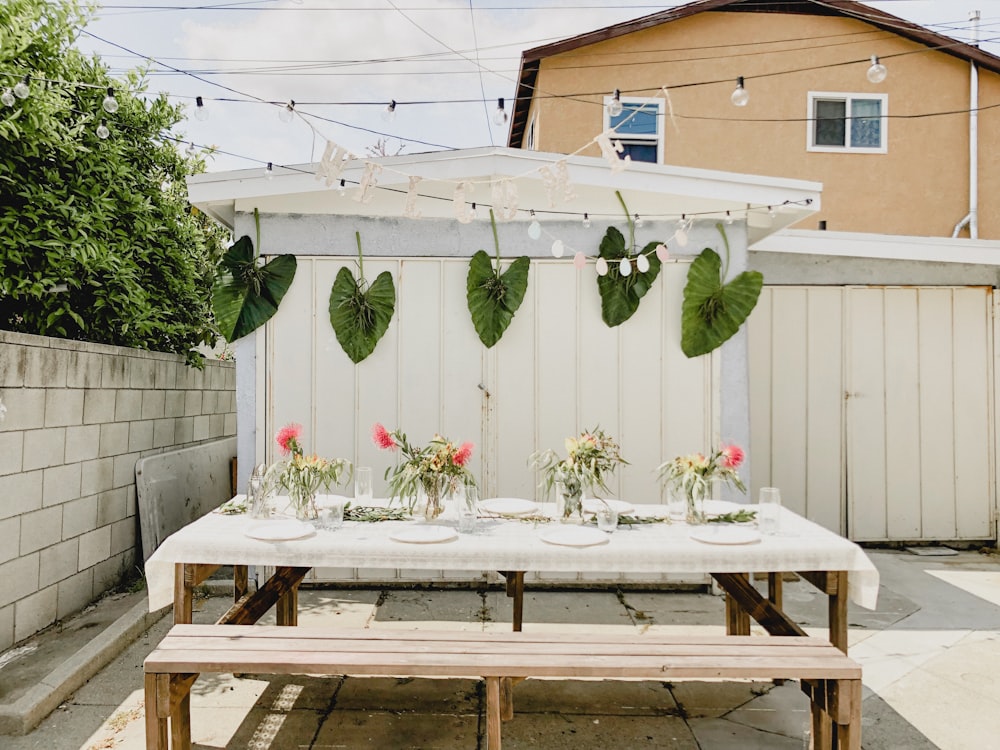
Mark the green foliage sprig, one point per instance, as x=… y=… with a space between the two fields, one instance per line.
x=494 y=297
x=620 y=295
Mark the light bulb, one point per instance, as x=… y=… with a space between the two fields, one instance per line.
x=579 y=260
x=500 y=116
x=615 y=105
x=586 y=221
x=877 y=72
x=662 y=253
x=729 y=218
x=558 y=249
x=21 y=89
x=200 y=110
x=7 y=97
x=269 y=170
x=534 y=230
x=625 y=267
x=102 y=130
x=601 y=267
x=740 y=96
x=286 y=113
x=638 y=221
x=110 y=104
x=642 y=263
x=343 y=188
x=681 y=234
x=389 y=113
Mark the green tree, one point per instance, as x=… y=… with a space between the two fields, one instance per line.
x=97 y=240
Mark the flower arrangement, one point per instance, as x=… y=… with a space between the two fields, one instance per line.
x=435 y=469
x=302 y=475
x=591 y=458
x=691 y=475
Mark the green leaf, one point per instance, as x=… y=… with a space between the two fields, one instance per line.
x=494 y=297
x=246 y=294
x=620 y=295
x=359 y=316
x=712 y=312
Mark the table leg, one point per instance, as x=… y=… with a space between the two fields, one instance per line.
x=183 y=610
x=287 y=610
x=838 y=609
x=241 y=581
x=737 y=618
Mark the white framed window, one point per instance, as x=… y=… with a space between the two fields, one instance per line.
x=840 y=122
x=639 y=128
x=530 y=136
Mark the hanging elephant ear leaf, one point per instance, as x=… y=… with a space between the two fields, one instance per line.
x=620 y=295
x=360 y=313
x=494 y=297
x=712 y=311
x=246 y=294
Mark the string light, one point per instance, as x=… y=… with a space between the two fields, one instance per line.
x=615 y=105
x=389 y=113
x=877 y=71
x=102 y=130
x=286 y=113
x=729 y=217
x=200 y=111
x=681 y=233
x=7 y=97
x=343 y=188
x=269 y=170
x=740 y=96
x=190 y=150
x=586 y=221
x=500 y=116
x=21 y=89
x=110 y=104
x=534 y=228
x=638 y=221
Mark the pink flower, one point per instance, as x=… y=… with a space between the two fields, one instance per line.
x=732 y=456
x=463 y=454
x=382 y=437
x=288 y=439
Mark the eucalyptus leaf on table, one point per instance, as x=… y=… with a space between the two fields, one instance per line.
x=494 y=297
x=713 y=311
x=620 y=295
x=246 y=294
x=359 y=312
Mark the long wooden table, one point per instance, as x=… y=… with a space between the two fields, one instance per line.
x=834 y=565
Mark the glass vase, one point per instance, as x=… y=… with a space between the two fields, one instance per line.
x=569 y=503
x=694 y=496
x=433 y=494
x=303 y=502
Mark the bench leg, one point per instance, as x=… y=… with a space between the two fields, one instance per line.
x=157 y=710
x=492 y=713
x=180 y=710
x=846 y=713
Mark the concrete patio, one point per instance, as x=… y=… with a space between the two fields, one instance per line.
x=931 y=657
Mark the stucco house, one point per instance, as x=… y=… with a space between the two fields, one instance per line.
x=872 y=351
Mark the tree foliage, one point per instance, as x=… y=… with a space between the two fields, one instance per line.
x=108 y=220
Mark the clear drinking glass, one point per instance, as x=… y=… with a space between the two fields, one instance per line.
x=363 y=485
x=676 y=503
x=468 y=510
x=607 y=518
x=769 y=510
x=331 y=513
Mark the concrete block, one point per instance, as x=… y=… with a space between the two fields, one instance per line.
x=74 y=593
x=10 y=538
x=128 y=406
x=183 y=430
x=216 y=425
x=140 y=435
x=84 y=370
x=115 y=371
x=163 y=432
x=124 y=472
x=192 y=403
x=20 y=577
x=11 y=365
x=63 y=406
x=45 y=447
x=109 y=573
x=209 y=402
x=142 y=373
x=98 y=405
x=21 y=493
x=230 y=371
x=123 y=535
x=96 y=476
x=130 y=500
x=34 y=612
x=114 y=439
x=6 y=627
x=201 y=428
x=39 y=529
x=82 y=443
x=79 y=516
x=58 y=562
x=229 y=424
x=173 y=404
x=25 y=409
x=45 y=368
x=94 y=547
x=153 y=404
x=192 y=378
x=11 y=451
x=60 y=484
x=217 y=376
x=165 y=375
x=111 y=506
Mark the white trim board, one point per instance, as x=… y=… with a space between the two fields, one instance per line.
x=892 y=247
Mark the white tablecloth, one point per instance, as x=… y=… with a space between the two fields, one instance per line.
x=501 y=544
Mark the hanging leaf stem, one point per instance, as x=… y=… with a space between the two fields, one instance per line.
x=631 y=224
x=361 y=262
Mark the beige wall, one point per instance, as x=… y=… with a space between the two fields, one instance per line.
x=920 y=187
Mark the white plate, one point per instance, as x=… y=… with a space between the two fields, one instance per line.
x=592 y=505
x=508 y=506
x=424 y=534
x=574 y=536
x=720 y=507
x=724 y=534
x=277 y=531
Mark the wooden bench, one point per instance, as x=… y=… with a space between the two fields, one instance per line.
x=830 y=678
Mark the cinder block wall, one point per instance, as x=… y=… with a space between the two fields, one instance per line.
x=74 y=419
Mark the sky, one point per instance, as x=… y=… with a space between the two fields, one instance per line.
x=445 y=61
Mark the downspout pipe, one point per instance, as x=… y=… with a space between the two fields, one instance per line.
x=972 y=218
